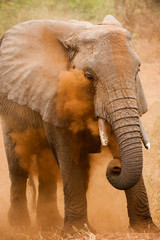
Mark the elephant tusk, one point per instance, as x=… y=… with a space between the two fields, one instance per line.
x=144 y=136
x=102 y=132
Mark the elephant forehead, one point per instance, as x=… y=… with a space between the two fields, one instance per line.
x=103 y=33
x=104 y=45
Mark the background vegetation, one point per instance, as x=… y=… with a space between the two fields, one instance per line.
x=136 y=15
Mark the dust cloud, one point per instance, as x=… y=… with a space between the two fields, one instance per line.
x=75 y=101
x=35 y=154
x=106 y=206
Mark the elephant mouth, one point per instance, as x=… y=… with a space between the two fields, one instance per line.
x=104 y=138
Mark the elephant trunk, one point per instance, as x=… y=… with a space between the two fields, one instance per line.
x=125 y=123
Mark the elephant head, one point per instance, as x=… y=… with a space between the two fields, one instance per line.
x=35 y=52
x=106 y=56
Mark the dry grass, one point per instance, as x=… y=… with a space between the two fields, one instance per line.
x=86 y=236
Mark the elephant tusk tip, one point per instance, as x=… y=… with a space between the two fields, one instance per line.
x=147 y=145
x=104 y=143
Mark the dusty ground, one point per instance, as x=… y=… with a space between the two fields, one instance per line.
x=107 y=206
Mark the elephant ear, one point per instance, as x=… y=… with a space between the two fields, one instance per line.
x=141 y=100
x=110 y=20
x=31 y=59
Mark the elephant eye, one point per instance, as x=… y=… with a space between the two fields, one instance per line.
x=139 y=67
x=89 y=76
x=92 y=80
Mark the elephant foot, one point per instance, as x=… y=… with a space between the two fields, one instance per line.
x=77 y=230
x=49 y=220
x=147 y=226
x=18 y=216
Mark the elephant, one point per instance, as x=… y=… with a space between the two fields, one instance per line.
x=34 y=56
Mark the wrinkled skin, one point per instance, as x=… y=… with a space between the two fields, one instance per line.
x=28 y=89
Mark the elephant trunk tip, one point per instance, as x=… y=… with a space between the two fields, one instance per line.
x=114 y=167
x=117 y=177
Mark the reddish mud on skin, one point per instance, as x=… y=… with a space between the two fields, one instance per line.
x=126 y=62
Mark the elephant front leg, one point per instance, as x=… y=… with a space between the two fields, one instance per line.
x=138 y=208
x=74 y=197
x=74 y=176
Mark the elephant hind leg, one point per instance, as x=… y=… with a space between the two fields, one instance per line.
x=18 y=213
